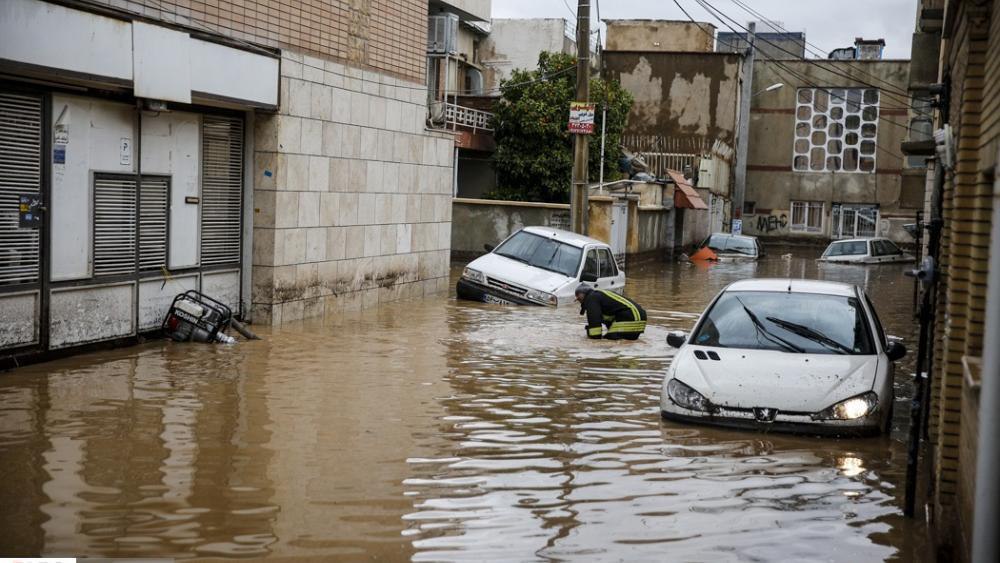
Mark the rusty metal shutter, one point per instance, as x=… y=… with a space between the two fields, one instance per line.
x=153 y=209
x=114 y=224
x=222 y=190
x=20 y=174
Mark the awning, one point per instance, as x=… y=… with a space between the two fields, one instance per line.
x=685 y=195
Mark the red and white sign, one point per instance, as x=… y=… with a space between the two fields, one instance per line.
x=581 y=118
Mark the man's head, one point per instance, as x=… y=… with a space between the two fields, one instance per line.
x=581 y=291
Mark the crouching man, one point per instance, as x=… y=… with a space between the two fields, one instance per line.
x=624 y=318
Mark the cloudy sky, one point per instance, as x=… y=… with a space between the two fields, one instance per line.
x=828 y=24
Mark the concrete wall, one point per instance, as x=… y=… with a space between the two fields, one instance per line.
x=771 y=181
x=770 y=45
x=516 y=43
x=352 y=195
x=477 y=222
x=686 y=102
x=659 y=36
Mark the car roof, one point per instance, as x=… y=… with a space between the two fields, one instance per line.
x=794 y=286
x=564 y=236
x=731 y=235
x=860 y=239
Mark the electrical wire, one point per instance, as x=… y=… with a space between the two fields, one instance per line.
x=720 y=15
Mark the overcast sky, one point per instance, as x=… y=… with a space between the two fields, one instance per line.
x=828 y=24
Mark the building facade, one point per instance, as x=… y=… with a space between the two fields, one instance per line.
x=824 y=159
x=660 y=36
x=274 y=155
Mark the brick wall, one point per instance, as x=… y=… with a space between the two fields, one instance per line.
x=384 y=35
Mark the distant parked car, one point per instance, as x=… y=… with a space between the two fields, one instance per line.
x=865 y=251
x=734 y=247
x=790 y=355
x=540 y=266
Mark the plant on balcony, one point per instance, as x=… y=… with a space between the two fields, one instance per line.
x=534 y=156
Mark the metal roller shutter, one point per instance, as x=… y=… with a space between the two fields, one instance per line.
x=20 y=174
x=222 y=190
x=114 y=224
x=153 y=209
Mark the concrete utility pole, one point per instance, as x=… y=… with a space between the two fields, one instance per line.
x=578 y=207
x=743 y=136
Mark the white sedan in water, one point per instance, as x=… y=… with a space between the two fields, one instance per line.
x=793 y=355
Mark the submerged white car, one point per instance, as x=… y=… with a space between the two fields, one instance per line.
x=540 y=266
x=789 y=355
x=865 y=251
x=730 y=247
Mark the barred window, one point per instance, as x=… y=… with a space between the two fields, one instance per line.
x=807 y=217
x=836 y=130
x=118 y=229
x=221 y=190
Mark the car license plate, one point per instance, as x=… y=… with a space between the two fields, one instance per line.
x=487 y=298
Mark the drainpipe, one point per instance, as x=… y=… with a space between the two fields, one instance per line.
x=987 y=506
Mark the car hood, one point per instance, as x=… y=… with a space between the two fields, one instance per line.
x=519 y=273
x=773 y=379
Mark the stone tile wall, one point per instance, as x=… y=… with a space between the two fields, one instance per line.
x=352 y=195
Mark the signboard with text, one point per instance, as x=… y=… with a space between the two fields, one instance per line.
x=581 y=118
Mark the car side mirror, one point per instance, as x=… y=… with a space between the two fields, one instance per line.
x=588 y=277
x=676 y=338
x=488 y=247
x=895 y=351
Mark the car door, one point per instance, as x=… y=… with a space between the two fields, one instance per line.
x=610 y=276
x=591 y=266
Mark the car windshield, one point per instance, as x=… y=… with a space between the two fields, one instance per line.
x=542 y=252
x=849 y=248
x=729 y=243
x=801 y=322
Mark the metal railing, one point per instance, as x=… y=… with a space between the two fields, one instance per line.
x=476 y=119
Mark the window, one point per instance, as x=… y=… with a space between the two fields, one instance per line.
x=542 y=252
x=847 y=248
x=835 y=130
x=221 y=190
x=608 y=268
x=749 y=207
x=117 y=230
x=884 y=248
x=20 y=176
x=591 y=266
x=807 y=217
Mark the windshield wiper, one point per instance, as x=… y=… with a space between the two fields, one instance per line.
x=811 y=334
x=512 y=257
x=770 y=335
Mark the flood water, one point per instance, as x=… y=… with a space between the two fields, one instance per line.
x=437 y=430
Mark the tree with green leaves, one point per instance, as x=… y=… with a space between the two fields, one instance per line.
x=534 y=156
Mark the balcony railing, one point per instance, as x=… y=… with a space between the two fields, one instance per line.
x=475 y=119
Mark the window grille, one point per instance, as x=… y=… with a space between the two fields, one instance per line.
x=20 y=174
x=114 y=224
x=222 y=190
x=153 y=212
x=807 y=217
x=836 y=130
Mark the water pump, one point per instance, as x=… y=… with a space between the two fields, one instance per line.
x=196 y=317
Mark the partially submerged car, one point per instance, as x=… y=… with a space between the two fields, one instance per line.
x=788 y=355
x=865 y=251
x=540 y=266
x=729 y=247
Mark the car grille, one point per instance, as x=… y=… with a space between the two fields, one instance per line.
x=504 y=286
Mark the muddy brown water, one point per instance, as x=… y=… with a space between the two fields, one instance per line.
x=437 y=430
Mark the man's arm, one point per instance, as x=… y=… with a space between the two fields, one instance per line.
x=594 y=320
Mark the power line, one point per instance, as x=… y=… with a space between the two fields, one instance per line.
x=818 y=51
x=719 y=15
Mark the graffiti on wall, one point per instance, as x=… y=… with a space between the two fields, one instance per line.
x=766 y=224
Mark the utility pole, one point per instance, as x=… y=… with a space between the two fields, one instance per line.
x=743 y=136
x=579 y=207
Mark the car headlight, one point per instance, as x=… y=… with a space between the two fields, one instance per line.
x=851 y=409
x=474 y=275
x=687 y=397
x=541 y=297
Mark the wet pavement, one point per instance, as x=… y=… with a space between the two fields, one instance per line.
x=437 y=430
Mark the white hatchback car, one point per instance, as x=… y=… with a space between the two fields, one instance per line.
x=540 y=266
x=865 y=251
x=791 y=355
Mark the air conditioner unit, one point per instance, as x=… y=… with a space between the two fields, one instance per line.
x=442 y=34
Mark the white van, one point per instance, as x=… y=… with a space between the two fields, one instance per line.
x=540 y=266
x=865 y=251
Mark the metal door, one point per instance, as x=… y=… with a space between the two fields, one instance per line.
x=619 y=230
x=855 y=221
x=21 y=207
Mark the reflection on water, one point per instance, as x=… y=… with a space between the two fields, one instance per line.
x=439 y=430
